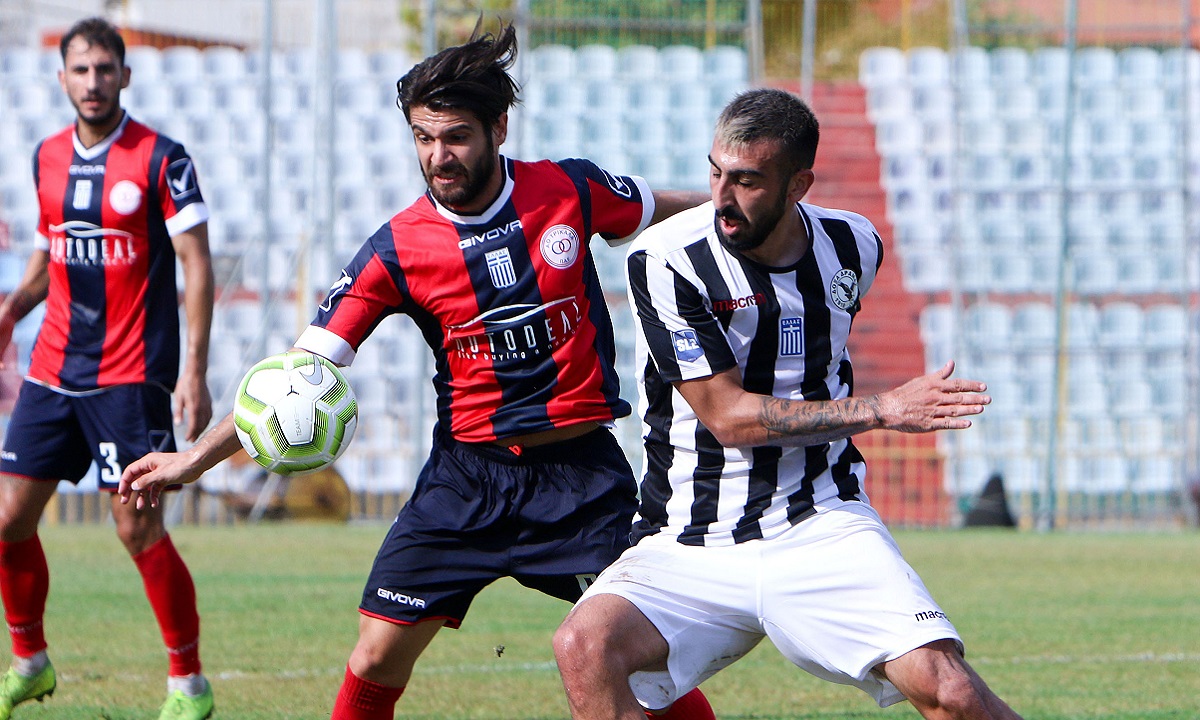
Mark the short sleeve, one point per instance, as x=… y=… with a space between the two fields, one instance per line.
x=182 y=203
x=684 y=338
x=620 y=205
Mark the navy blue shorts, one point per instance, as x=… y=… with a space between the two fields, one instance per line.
x=52 y=436
x=552 y=518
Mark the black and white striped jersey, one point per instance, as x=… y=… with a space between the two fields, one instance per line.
x=702 y=310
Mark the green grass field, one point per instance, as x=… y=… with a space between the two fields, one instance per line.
x=1063 y=626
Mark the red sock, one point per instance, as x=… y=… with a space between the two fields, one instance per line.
x=24 y=585
x=693 y=706
x=173 y=597
x=365 y=700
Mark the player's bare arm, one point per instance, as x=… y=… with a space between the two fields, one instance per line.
x=738 y=418
x=31 y=291
x=193 y=402
x=145 y=478
x=670 y=202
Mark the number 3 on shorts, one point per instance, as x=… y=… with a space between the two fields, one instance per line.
x=111 y=473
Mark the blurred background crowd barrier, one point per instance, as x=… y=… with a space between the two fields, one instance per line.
x=1032 y=167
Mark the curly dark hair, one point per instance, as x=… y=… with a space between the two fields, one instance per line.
x=97 y=31
x=472 y=76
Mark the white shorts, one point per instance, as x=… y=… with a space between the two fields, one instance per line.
x=833 y=593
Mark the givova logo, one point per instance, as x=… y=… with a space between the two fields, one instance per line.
x=401 y=598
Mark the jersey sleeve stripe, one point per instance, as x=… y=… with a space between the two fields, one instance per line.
x=188 y=217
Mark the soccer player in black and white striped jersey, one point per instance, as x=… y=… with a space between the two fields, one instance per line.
x=754 y=521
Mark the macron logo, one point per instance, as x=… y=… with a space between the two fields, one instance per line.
x=400 y=598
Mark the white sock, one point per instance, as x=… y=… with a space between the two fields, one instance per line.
x=32 y=665
x=192 y=685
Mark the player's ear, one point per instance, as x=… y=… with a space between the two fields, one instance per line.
x=800 y=183
x=500 y=130
x=126 y=72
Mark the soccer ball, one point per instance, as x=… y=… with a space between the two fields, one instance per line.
x=295 y=413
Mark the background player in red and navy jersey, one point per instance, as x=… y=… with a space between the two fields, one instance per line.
x=525 y=480
x=119 y=203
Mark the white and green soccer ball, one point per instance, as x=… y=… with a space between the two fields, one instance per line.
x=295 y=413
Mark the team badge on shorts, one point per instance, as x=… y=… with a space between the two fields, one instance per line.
x=844 y=289
x=560 y=246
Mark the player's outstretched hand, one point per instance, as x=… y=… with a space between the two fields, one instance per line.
x=145 y=479
x=933 y=402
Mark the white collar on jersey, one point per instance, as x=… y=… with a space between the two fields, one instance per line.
x=488 y=213
x=101 y=147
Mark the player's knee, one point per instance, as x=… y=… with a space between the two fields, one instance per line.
x=956 y=696
x=576 y=643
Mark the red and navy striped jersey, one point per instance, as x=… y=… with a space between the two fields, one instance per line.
x=108 y=213
x=702 y=310
x=509 y=300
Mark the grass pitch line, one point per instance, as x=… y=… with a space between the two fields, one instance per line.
x=1146 y=657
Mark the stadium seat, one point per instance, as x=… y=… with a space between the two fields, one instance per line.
x=1139 y=66
x=1016 y=102
x=551 y=61
x=987 y=325
x=928 y=66
x=20 y=63
x=26 y=99
x=144 y=63
x=1180 y=64
x=555 y=96
x=182 y=63
x=638 y=62
x=933 y=102
x=1050 y=66
x=596 y=62
x=888 y=102
x=353 y=64
x=1009 y=66
x=970 y=66
x=975 y=103
x=725 y=63
x=1095 y=66
x=1120 y=325
x=389 y=65
x=688 y=97
x=237 y=97
x=1095 y=273
x=880 y=66
x=1165 y=327
x=224 y=63
x=648 y=98
x=681 y=63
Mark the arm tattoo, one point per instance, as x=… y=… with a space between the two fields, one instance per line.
x=788 y=422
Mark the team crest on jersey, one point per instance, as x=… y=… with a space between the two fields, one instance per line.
x=560 y=246
x=125 y=197
x=844 y=289
x=500 y=267
x=791 y=336
x=181 y=178
x=687 y=345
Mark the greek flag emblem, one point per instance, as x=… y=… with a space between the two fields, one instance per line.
x=500 y=267
x=791 y=336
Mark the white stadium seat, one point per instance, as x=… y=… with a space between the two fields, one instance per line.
x=970 y=65
x=551 y=61
x=1095 y=66
x=596 y=62
x=1050 y=67
x=182 y=62
x=1139 y=66
x=726 y=62
x=878 y=66
x=224 y=63
x=681 y=62
x=928 y=66
x=638 y=61
x=1009 y=65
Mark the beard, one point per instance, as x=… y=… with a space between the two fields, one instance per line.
x=752 y=233
x=100 y=118
x=474 y=179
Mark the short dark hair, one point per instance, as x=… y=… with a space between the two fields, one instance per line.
x=97 y=31
x=769 y=114
x=473 y=76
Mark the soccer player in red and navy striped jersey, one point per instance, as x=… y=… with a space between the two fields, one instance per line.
x=493 y=264
x=119 y=204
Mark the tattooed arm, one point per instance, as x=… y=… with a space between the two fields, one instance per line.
x=29 y=292
x=742 y=419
